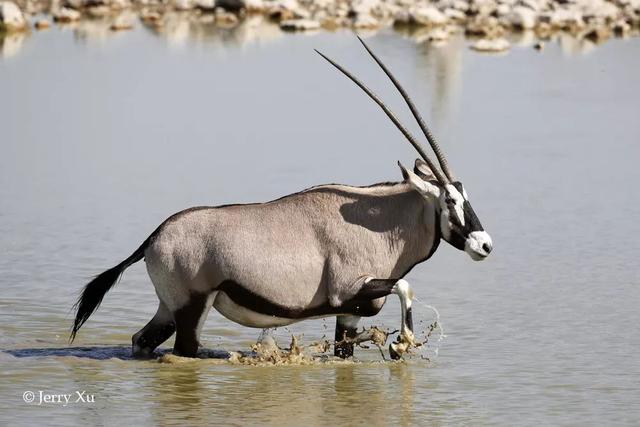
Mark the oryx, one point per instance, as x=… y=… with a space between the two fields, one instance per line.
x=331 y=250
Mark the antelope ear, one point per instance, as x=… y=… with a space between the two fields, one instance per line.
x=420 y=185
x=422 y=169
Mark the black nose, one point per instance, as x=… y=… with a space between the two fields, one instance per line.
x=487 y=247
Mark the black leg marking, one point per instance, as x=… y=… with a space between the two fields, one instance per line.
x=409 y=319
x=158 y=330
x=375 y=288
x=360 y=305
x=187 y=319
x=150 y=337
x=343 y=349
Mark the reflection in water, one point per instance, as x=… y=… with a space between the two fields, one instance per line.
x=442 y=67
x=293 y=395
x=180 y=28
x=177 y=31
x=10 y=44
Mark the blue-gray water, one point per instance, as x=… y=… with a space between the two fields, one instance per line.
x=103 y=136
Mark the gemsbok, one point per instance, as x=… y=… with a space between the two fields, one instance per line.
x=330 y=250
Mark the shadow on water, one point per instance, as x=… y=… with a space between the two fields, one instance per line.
x=105 y=352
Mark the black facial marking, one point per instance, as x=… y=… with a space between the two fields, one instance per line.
x=458 y=186
x=471 y=221
x=459 y=232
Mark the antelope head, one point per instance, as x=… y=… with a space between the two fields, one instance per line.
x=458 y=221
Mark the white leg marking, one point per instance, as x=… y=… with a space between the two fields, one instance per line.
x=405 y=293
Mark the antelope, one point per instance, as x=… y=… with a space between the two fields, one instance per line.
x=330 y=250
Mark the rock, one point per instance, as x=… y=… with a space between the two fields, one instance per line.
x=234 y=6
x=254 y=5
x=150 y=17
x=119 y=4
x=11 y=17
x=503 y=10
x=523 y=18
x=365 y=21
x=438 y=35
x=206 y=5
x=485 y=26
x=535 y=5
x=42 y=24
x=566 y=19
x=402 y=17
x=122 y=23
x=98 y=11
x=455 y=14
x=428 y=15
x=491 y=45
x=226 y=19
x=299 y=25
x=621 y=28
x=538 y=46
x=182 y=5
x=364 y=7
x=544 y=30
x=598 y=34
x=66 y=14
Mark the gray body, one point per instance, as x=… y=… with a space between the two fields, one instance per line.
x=307 y=250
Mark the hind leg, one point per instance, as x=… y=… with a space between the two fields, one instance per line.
x=158 y=330
x=189 y=321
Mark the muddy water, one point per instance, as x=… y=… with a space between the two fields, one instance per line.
x=103 y=136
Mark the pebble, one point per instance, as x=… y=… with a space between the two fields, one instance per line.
x=428 y=15
x=225 y=19
x=491 y=45
x=122 y=23
x=183 y=5
x=522 y=18
x=66 y=14
x=365 y=21
x=11 y=17
x=42 y=24
x=299 y=25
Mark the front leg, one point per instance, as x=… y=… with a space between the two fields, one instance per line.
x=346 y=327
x=372 y=289
x=406 y=338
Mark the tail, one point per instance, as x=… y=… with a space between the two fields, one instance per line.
x=96 y=289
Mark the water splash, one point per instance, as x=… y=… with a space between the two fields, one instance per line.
x=427 y=346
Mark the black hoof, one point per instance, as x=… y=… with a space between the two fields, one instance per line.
x=343 y=351
x=392 y=352
x=142 y=353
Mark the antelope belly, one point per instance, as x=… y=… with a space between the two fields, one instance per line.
x=239 y=314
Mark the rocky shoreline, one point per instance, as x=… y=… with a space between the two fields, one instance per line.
x=489 y=21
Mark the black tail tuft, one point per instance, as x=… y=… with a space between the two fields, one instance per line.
x=95 y=290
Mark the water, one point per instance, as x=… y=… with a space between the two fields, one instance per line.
x=104 y=136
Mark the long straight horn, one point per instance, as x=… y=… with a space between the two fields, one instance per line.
x=391 y=115
x=427 y=133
